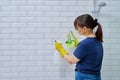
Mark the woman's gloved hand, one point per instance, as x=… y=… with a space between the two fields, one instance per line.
x=60 y=49
x=72 y=40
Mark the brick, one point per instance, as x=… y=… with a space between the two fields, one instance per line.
x=43 y=8
x=18 y=14
x=4 y=3
x=26 y=8
x=26 y=19
x=9 y=19
x=18 y=25
x=4 y=13
x=52 y=3
x=18 y=3
x=35 y=3
x=59 y=8
x=9 y=30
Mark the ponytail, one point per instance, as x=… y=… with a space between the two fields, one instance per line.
x=99 y=33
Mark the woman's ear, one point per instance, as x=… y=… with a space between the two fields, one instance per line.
x=85 y=28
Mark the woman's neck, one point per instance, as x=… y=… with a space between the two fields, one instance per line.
x=89 y=34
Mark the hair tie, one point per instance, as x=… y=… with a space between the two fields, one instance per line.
x=96 y=22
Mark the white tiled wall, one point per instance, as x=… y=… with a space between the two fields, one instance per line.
x=28 y=29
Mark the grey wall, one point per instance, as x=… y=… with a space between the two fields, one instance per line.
x=28 y=29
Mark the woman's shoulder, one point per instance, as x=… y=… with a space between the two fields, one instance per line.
x=88 y=41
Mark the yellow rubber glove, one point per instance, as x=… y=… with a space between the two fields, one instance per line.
x=76 y=40
x=71 y=40
x=60 y=49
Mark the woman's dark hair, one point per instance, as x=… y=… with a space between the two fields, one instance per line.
x=87 y=21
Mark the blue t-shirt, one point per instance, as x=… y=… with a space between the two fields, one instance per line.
x=90 y=53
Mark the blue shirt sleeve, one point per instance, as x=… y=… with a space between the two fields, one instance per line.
x=82 y=50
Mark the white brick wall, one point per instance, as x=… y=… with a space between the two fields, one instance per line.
x=28 y=29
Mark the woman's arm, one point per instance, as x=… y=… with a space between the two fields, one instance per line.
x=64 y=54
x=71 y=58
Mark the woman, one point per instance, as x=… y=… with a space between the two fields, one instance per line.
x=89 y=52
